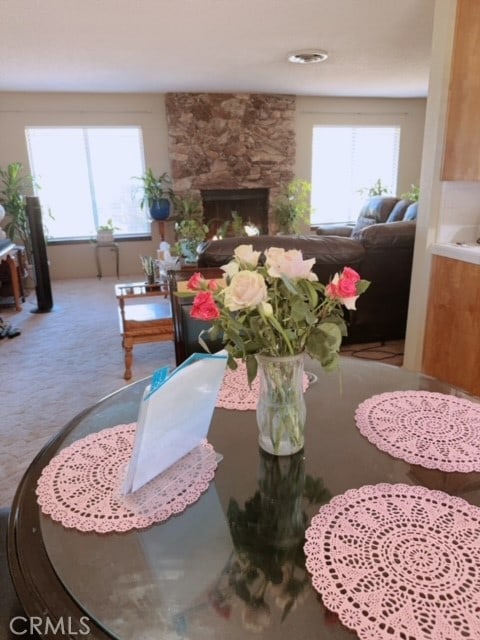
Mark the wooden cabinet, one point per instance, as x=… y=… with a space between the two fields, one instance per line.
x=12 y=261
x=462 y=140
x=452 y=337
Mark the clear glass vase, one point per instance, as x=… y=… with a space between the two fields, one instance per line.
x=281 y=410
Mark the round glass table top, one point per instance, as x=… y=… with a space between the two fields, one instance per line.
x=231 y=564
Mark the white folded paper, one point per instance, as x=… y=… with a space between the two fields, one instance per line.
x=174 y=416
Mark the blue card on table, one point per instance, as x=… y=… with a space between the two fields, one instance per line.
x=174 y=416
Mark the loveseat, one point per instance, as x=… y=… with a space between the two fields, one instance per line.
x=379 y=246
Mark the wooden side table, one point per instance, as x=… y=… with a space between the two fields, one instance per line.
x=142 y=322
x=11 y=254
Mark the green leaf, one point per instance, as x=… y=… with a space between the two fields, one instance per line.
x=290 y=285
x=251 y=363
x=298 y=310
x=310 y=291
x=324 y=343
x=362 y=286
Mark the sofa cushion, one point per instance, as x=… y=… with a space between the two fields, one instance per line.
x=398 y=211
x=411 y=212
x=334 y=229
x=388 y=234
x=375 y=210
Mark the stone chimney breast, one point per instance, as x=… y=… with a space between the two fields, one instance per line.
x=231 y=141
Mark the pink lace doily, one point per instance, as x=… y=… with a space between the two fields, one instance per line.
x=430 y=429
x=81 y=486
x=235 y=392
x=398 y=561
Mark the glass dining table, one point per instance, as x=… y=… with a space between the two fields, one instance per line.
x=231 y=565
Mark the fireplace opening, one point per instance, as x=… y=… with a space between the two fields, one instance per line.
x=221 y=207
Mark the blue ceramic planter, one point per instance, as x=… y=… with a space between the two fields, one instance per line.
x=160 y=210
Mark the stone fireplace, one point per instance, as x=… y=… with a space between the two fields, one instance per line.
x=235 y=151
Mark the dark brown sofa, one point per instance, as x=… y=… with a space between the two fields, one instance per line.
x=379 y=247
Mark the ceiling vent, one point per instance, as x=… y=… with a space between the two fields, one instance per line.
x=308 y=56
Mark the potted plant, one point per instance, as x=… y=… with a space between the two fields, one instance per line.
x=105 y=232
x=189 y=225
x=157 y=192
x=149 y=268
x=413 y=194
x=377 y=189
x=292 y=208
x=14 y=183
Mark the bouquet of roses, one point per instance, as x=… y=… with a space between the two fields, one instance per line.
x=273 y=304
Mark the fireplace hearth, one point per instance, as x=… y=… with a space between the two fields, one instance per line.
x=250 y=204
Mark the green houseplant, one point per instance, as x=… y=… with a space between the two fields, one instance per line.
x=149 y=268
x=189 y=224
x=105 y=231
x=413 y=194
x=377 y=189
x=157 y=192
x=14 y=184
x=292 y=208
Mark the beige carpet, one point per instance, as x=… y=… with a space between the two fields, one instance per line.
x=67 y=359
x=62 y=362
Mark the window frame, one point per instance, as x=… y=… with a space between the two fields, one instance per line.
x=88 y=238
x=353 y=126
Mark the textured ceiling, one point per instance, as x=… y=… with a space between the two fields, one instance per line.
x=377 y=48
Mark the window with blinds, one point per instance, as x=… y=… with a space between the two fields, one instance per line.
x=85 y=178
x=346 y=162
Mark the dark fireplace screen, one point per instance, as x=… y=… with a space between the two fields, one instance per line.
x=227 y=210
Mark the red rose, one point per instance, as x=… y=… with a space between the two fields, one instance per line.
x=195 y=282
x=343 y=287
x=350 y=274
x=204 y=307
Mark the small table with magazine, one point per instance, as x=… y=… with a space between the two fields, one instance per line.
x=147 y=321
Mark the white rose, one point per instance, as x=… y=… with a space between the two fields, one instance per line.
x=245 y=255
x=289 y=263
x=247 y=289
x=231 y=268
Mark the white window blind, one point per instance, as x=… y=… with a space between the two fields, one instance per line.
x=346 y=160
x=85 y=177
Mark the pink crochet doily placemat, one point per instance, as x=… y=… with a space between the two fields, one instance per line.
x=398 y=561
x=430 y=429
x=235 y=392
x=81 y=486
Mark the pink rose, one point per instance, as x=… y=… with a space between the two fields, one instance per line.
x=212 y=285
x=289 y=264
x=343 y=287
x=195 y=282
x=347 y=283
x=204 y=307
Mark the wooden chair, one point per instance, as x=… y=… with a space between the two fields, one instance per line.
x=187 y=329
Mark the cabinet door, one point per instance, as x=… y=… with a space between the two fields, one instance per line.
x=452 y=337
x=462 y=141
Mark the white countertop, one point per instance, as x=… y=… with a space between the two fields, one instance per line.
x=467 y=252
